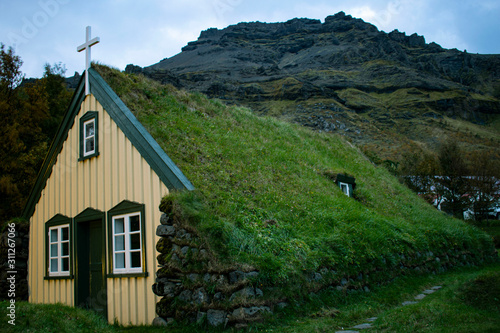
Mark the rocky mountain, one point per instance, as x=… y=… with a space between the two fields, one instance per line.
x=385 y=91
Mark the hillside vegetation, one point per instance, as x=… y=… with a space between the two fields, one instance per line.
x=264 y=195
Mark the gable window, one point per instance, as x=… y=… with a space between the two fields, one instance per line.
x=89 y=135
x=58 y=247
x=126 y=240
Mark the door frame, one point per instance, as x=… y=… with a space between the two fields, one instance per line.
x=89 y=215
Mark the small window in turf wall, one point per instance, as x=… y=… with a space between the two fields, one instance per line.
x=346 y=184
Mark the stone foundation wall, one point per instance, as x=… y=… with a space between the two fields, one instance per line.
x=195 y=286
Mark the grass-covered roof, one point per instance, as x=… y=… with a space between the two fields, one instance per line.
x=264 y=192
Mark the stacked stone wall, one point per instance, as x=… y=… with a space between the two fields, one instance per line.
x=194 y=286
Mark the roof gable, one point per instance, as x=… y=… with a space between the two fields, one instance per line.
x=150 y=150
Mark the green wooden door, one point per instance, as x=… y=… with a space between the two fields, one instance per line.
x=90 y=281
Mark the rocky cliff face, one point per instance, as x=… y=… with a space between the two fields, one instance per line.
x=340 y=74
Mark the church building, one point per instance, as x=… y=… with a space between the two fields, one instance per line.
x=93 y=211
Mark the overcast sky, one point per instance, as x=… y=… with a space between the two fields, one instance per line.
x=144 y=32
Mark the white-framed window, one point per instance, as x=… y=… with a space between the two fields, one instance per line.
x=89 y=137
x=345 y=188
x=59 y=250
x=127 y=243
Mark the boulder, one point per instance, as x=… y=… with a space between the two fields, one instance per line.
x=216 y=317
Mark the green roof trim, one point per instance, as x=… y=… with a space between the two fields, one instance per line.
x=140 y=138
x=147 y=146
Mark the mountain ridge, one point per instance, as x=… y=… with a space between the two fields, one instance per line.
x=341 y=74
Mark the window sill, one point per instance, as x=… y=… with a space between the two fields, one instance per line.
x=60 y=277
x=83 y=158
x=127 y=275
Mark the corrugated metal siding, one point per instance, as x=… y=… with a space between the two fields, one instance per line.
x=118 y=173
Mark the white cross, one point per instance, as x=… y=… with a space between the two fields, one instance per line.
x=86 y=46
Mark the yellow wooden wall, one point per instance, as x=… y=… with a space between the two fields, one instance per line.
x=118 y=173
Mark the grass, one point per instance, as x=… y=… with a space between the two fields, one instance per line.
x=248 y=170
x=469 y=301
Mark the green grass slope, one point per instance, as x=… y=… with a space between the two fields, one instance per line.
x=264 y=195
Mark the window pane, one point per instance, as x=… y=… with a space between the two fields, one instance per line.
x=120 y=243
x=89 y=145
x=89 y=129
x=65 y=249
x=120 y=260
x=65 y=233
x=135 y=259
x=135 y=241
x=54 y=250
x=119 y=226
x=65 y=264
x=134 y=223
x=53 y=265
x=53 y=235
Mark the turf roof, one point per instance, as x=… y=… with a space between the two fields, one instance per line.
x=264 y=193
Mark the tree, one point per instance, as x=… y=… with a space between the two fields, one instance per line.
x=10 y=71
x=30 y=113
x=58 y=97
x=484 y=185
x=419 y=170
x=12 y=145
x=453 y=182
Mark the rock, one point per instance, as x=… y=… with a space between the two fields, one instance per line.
x=186 y=296
x=133 y=69
x=193 y=277
x=251 y=312
x=159 y=322
x=216 y=317
x=185 y=250
x=316 y=277
x=181 y=233
x=236 y=276
x=245 y=293
x=165 y=288
x=362 y=326
x=218 y=297
x=200 y=296
x=165 y=219
x=252 y=275
x=420 y=297
x=165 y=230
x=164 y=245
x=416 y=41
